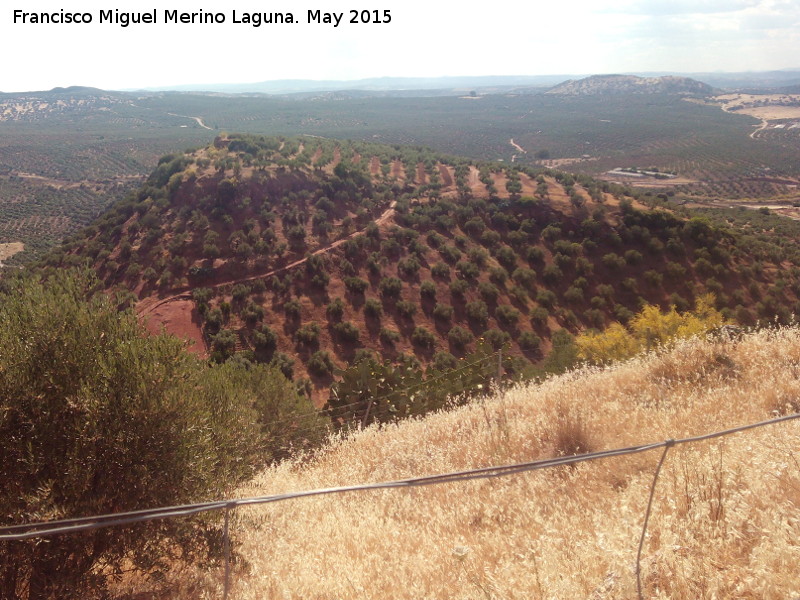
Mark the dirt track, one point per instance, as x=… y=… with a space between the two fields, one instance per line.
x=144 y=308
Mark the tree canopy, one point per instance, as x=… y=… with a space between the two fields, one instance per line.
x=98 y=417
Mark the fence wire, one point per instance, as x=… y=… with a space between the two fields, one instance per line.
x=68 y=526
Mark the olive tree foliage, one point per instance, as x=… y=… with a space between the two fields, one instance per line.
x=98 y=417
x=370 y=391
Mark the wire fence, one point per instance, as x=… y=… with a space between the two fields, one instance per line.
x=71 y=526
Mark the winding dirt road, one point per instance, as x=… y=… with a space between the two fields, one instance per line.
x=197 y=119
x=144 y=307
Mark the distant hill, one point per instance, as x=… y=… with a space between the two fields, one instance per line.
x=378 y=85
x=630 y=84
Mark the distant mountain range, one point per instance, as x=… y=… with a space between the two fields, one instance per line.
x=786 y=81
x=485 y=84
x=442 y=86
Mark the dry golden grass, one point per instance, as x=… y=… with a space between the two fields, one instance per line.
x=725 y=520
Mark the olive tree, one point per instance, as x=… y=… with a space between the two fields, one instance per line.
x=98 y=417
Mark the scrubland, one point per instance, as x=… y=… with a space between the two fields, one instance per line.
x=724 y=522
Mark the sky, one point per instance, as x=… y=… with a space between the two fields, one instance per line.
x=424 y=38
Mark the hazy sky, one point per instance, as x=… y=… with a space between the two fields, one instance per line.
x=424 y=38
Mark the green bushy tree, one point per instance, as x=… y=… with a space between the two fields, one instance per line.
x=98 y=417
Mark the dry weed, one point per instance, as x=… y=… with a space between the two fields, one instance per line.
x=725 y=520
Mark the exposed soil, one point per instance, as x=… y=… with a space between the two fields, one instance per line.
x=398 y=172
x=767 y=107
x=9 y=250
x=422 y=177
x=555 y=163
x=647 y=182
x=446 y=177
x=475 y=183
x=179 y=318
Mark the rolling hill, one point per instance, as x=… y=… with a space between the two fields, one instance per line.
x=68 y=154
x=631 y=84
x=314 y=253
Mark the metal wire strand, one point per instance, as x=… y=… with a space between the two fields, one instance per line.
x=50 y=528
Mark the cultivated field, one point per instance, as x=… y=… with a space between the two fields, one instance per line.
x=101 y=140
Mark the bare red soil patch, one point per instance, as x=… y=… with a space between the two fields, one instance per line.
x=446 y=176
x=178 y=317
x=398 y=172
x=422 y=177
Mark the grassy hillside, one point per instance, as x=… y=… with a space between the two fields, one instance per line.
x=315 y=253
x=724 y=516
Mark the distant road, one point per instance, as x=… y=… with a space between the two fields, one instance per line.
x=198 y=119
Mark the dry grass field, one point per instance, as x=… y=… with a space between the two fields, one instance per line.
x=725 y=518
x=763 y=106
x=9 y=250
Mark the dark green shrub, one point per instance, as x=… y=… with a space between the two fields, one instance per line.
x=253 y=312
x=488 y=291
x=496 y=338
x=346 y=332
x=478 y=256
x=546 y=298
x=459 y=337
x=440 y=271
x=552 y=274
x=526 y=277
x=321 y=364
x=389 y=336
x=633 y=257
x=390 y=287
x=653 y=278
x=408 y=267
x=535 y=255
x=406 y=308
x=223 y=345
x=506 y=257
x=573 y=295
x=468 y=270
x=478 y=312
x=335 y=310
x=443 y=361
x=443 y=312
x=423 y=337
x=240 y=292
x=539 y=316
x=459 y=287
x=613 y=261
x=507 y=315
x=498 y=275
x=356 y=285
x=292 y=309
x=373 y=308
x=529 y=341
x=100 y=417
x=308 y=334
x=265 y=339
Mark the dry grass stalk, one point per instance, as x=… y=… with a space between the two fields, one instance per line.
x=724 y=524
